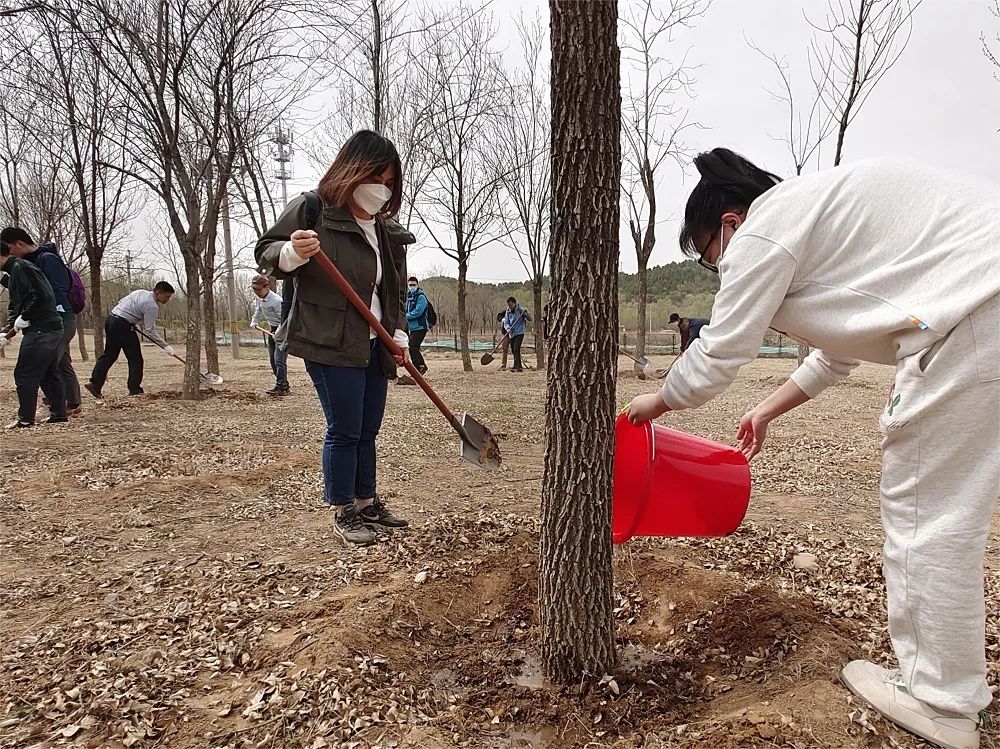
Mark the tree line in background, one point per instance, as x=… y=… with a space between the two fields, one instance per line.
x=165 y=110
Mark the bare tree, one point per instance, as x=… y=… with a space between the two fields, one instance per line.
x=523 y=162
x=653 y=120
x=463 y=190
x=575 y=576
x=993 y=53
x=74 y=92
x=806 y=128
x=860 y=41
x=382 y=88
x=181 y=88
x=806 y=132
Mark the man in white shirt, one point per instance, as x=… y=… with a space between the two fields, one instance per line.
x=268 y=306
x=140 y=308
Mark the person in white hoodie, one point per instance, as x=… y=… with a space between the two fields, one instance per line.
x=895 y=263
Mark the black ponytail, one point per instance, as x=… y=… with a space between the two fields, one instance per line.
x=728 y=182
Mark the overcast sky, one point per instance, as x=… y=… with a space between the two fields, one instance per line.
x=939 y=104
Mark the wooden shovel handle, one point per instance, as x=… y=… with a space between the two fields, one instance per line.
x=352 y=296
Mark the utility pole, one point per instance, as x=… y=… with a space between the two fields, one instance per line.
x=282 y=140
x=227 y=240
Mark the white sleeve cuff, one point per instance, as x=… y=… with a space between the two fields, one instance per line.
x=401 y=338
x=288 y=258
x=820 y=371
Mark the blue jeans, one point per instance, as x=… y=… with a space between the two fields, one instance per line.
x=279 y=364
x=353 y=400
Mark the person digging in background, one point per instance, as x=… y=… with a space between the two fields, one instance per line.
x=504 y=342
x=139 y=308
x=32 y=312
x=514 y=324
x=348 y=365
x=895 y=263
x=416 y=320
x=46 y=257
x=268 y=305
x=689 y=327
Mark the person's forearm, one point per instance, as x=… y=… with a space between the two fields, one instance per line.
x=782 y=400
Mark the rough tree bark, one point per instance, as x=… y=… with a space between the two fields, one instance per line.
x=81 y=340
x=640 y=317
x=94 y=304
x=538 y=323
x=575 y=574
x=463 y=319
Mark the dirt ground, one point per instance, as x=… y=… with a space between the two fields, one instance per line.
x=169 y=577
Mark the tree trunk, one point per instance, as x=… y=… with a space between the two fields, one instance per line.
x=208 y=325
x=640 y=319
x=536 y=293
x=95 y=305
x=575 y=575
x=192 y=338
x=463 y=323
x=81 y=339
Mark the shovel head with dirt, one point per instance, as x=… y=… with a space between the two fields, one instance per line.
x=479 y=446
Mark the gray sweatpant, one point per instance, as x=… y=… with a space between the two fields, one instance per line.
x=940 y=482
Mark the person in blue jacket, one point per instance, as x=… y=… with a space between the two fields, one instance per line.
x=416 y=321
x=514 y=324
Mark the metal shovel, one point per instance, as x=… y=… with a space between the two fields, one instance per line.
x=210 y=377
x=642 y=365
x=479 y=446
x=486 y=359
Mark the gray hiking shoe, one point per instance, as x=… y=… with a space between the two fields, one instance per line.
x=377 y=515
x=351 y=527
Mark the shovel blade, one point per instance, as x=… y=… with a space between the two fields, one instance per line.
x=642 y=364
x=486 y=359
x=481 y=449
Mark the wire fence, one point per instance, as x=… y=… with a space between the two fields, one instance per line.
x=775 y=344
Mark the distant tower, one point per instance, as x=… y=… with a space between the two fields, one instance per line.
x=282 y=140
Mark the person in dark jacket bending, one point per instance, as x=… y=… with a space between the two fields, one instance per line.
x=32 y=312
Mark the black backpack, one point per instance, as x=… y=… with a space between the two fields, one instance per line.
x=431 y=314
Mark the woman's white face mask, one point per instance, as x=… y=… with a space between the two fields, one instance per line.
x=371 y=197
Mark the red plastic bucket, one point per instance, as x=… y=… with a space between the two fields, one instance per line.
x=670 y=483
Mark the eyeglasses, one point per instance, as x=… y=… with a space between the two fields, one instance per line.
x=701 y=256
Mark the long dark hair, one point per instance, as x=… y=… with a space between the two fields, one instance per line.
x=728 y=182
x=365 y=154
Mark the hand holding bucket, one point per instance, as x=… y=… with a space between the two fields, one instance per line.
x=670 y=483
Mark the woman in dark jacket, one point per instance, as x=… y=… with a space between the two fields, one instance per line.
x=348 y=219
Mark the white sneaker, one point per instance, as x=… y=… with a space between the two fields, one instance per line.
x=885 y=691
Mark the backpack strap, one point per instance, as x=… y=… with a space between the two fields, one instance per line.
x=313 y=208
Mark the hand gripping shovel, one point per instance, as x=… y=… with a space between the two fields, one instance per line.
x=642 y=365
x=487 y=359
x=209 y=377
x=479 y=446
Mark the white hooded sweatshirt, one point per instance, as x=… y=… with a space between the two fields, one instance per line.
x=870 y=261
